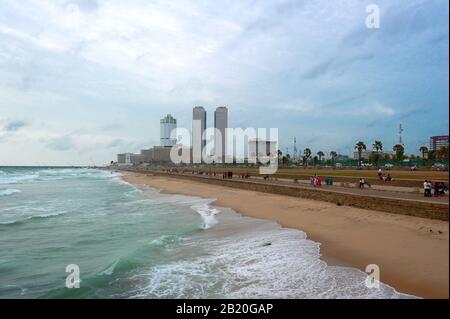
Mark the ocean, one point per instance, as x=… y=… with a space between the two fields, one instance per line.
x=133 y=242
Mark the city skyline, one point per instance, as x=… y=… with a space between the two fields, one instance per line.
x=195 y=143
x=81 y=80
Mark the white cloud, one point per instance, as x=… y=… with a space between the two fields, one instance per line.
x=72 y=64
x=384 y=110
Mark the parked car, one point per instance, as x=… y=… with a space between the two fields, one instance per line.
x=388 y=166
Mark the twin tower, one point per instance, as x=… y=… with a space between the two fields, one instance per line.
x=169 y=123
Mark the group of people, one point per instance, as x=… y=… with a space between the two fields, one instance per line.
x=228 y=174
x=384 y=177
x=438 y=188
x=316 y=181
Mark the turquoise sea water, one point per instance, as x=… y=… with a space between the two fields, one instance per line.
x=133 y=242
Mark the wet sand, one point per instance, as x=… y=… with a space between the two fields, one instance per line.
x=412 y=252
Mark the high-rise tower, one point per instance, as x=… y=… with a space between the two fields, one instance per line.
x=220 y=140
x=198 y=128
x=167 y=125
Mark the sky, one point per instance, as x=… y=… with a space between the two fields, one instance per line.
x=82 y=80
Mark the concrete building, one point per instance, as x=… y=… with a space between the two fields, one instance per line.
x=436 y=142
x=136 y=159
x=167 y=125
x=124 y=158
x=161 y=154
x=147 y=155
x=220 y=140
x=259 y=150
x=198 y=142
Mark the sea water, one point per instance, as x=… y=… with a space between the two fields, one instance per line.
x=133 y=242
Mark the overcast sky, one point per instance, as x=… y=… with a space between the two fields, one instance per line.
x=83 y=80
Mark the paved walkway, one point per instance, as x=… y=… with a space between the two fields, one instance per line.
x=337 y=189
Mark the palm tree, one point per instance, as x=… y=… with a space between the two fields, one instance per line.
x=360 y=147
x=423 y=150
x=333 y=155
x=378 y=147
x=279 y=153
x=307 y=153
x=320 y=154
x=399 y=151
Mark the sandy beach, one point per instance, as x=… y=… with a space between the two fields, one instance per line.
x=412 y=252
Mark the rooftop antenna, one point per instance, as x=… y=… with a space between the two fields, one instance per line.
x=400 y=131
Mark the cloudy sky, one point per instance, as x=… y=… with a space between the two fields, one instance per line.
x=81 y=80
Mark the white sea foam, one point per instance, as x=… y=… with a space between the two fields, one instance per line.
x=30 y=217
x=207 y=213
x=10 y=191
x=14 y=179
x=251 y=258
x=200 y=205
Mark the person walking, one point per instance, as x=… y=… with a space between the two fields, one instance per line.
x=361 y=182
x=425 y=184
x=428 y=187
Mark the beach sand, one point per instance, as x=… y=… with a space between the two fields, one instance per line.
x=412 y=252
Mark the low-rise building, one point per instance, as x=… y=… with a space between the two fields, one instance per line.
x=124 y=158
x=147 y=155
x=136 y=159
x=161 y=154
x=436 y=142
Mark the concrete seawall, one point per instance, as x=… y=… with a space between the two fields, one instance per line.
x=390 y=205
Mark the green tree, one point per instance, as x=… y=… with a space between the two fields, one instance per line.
x=320 y=154
x=442 y=153
x=423 y=150
x=375 y=157
x=360 y=147
x=333 y=155
x=279 y=154
x=432 y=155
x=315 y=160
x=378 y=146
x=399 y=152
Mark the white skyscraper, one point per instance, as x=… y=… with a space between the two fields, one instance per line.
x=220 y=123
x=168 y=123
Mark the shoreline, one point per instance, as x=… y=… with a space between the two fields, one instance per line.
x=412 y=252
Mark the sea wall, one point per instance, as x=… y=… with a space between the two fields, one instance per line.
x=389 y=205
